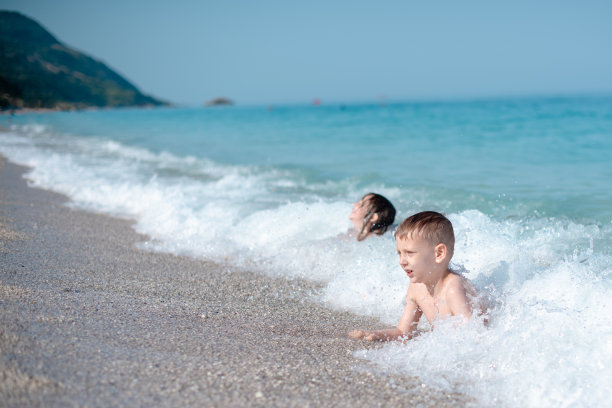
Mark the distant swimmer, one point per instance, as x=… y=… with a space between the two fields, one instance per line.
x=373 y=214
x=425 y=244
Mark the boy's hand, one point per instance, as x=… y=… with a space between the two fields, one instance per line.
x=357 y=334
x=361 y=334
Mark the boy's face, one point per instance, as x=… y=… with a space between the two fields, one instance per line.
x=417 y=258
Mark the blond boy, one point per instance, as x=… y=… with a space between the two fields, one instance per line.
x=425 y=243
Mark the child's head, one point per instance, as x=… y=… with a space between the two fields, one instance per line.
x=429 y=225
x=373 y=214
x=425 y=242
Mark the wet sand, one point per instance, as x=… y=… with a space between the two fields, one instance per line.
x=88 y=319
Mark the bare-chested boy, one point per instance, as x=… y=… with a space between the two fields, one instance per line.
x=425 y=243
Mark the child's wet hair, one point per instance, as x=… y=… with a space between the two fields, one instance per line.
x=376 y=204
x=430 y=225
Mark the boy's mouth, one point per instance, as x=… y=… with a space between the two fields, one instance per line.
x=408 y=272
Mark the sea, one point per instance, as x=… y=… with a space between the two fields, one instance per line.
x=526 y=182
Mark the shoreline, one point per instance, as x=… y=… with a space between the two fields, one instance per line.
x=87 y=318
x=28 y=111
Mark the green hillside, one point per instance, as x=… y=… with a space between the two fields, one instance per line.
x=37 y=71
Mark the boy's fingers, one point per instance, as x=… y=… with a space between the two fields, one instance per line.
x=356 y=334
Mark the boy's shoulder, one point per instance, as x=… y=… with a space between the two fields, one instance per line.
x=454 y=278
x=455 y=282
x=416 y=292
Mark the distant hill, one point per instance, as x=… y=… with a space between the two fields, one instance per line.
x=37 y=71
x=220 y=102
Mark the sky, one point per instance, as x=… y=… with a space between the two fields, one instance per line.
x=281 y=51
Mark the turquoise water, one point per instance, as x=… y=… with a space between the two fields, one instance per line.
x=549 y=157
x=527 y=184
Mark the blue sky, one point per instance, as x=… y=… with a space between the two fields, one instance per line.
x=272 y=51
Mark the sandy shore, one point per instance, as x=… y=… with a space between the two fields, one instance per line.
x=88 y=319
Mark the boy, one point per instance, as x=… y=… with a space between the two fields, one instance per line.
x=425 y=244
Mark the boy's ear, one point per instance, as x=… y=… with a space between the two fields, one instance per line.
x=440 y=252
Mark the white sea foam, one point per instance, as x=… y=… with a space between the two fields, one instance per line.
x=548 y=343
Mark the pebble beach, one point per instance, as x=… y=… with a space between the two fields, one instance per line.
x=89 y=319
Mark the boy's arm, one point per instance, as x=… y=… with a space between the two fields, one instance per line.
x=406 y=326
x=458 y=301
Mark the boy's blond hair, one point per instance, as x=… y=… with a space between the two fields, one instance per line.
x=430 y=225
